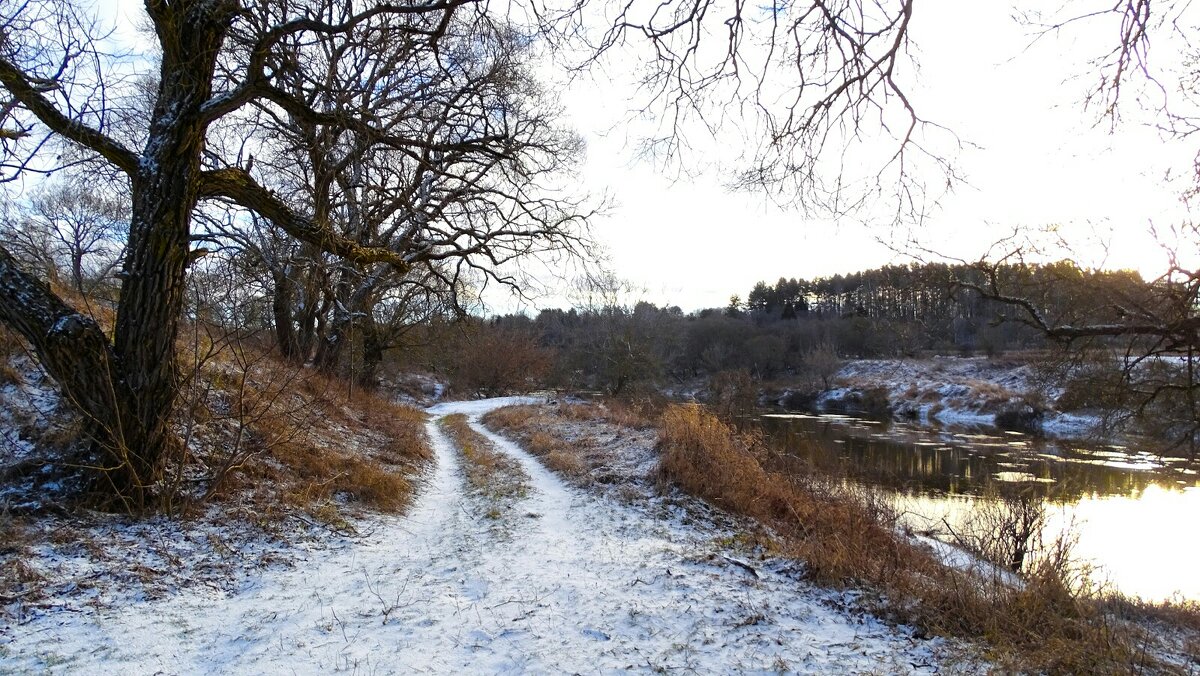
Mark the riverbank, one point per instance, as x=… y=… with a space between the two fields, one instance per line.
x=946 y=391
x=849 y=538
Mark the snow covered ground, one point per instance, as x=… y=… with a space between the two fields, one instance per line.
x=965 y=391
x=581 y=583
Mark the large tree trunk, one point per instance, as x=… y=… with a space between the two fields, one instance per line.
x=165 y=191
x=372 y=353
x=76 y=353
x=334 y=348
x=126 y=389
x=77 y=272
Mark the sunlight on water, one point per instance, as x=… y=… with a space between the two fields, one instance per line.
x=1131 y=514
x=1142 y=544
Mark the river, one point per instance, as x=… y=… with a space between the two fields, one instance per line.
x=1130 y=513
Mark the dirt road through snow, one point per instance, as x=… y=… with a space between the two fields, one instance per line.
x=576 y=584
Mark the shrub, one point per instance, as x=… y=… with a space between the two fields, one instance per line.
x=732 y=394
x=493 y=360
x=1020 y=417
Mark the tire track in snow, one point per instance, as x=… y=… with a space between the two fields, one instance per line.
x=578 y=584
x=617 y=589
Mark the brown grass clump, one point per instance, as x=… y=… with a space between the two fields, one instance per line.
x=577 y=459
x=491 y=474
x=637 y=414
x=708 y=458
x=556 y=454
x=1050 y=622
x=20 y=581
x=10 y=347
x=566 y=463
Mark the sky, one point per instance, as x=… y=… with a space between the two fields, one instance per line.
x=1037 y=158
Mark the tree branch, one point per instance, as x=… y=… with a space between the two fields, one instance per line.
x=18 y=84
x=237 y=185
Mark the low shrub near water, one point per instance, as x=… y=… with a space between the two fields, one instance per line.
x=1050 y=620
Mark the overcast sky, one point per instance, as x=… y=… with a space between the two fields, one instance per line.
x=1039 y=160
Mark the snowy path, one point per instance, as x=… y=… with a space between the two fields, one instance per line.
x=580 y=584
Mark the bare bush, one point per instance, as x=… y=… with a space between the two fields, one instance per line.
x=823 y=362
x=493 y=360
x=1004 y=527
x=732 y=394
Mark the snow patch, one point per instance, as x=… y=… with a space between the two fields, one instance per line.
x=960 y=391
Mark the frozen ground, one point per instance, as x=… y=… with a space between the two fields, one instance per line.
x=579 y=584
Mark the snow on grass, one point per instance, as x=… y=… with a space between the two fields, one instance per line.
x=28 y=403
x=583 y=584
x=960 y=391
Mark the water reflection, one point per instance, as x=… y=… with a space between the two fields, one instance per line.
x=912 y=460
x=1130 y=511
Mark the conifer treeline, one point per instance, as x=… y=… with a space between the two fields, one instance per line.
x=934 y=293
x=788 y=327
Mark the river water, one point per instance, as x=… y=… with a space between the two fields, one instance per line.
x=1132 y=515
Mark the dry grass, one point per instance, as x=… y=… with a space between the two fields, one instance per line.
x=492 y=475
x=574 y=454
x=257 y=433
x=274 y=437
x=20 y=582
x=10 y=347
x=633 y=413
x=577 y=460
x=708 y=458
x=1052 y=622
x=992 y=395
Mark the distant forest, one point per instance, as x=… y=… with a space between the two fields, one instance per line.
x=795 y=326
x=936 y=296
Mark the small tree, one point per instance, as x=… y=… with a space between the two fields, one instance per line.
x=496 y=359
x=67 y=225
x=823 y=362
x=1145 y=337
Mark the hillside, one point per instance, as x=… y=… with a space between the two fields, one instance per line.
x=959 y=391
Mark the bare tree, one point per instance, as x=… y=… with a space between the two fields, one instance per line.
x=84 y=228
x=455 y=172
x=219 y=61
x=1149 y=332
x=819 y=90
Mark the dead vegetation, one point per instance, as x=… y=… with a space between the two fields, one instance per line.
x=271 y=453
x=493 y=476
x=1050 y=621
x=570 y=459
x=287 y=438
x=576 y=454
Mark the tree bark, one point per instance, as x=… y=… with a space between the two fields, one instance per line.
x=75 y=352
x=372 y=354
x=165 y=191
x=281 y=311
